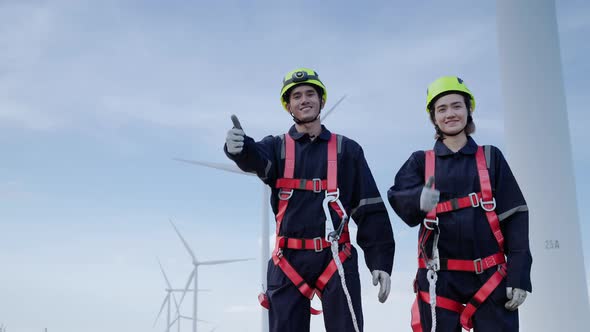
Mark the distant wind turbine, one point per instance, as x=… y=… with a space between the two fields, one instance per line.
x=167 y=303
x=193 y=277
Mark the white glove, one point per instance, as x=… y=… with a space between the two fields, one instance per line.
x=429 y=197
x=516 y=297
x=385 y=281
x=235 y=137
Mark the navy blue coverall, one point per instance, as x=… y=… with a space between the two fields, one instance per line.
x=466 y=234
x=304 y=218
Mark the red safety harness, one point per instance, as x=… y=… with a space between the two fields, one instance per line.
x=488 y=204
x=286 y=186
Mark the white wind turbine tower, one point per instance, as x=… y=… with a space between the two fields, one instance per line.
x=193 y=278
x=264 y=235
x=538 y=141
x=167 y=303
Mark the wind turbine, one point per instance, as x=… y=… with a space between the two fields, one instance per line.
x=534 y=102
x=166 y=303
x=265 y=245
x=193 y=277
x=179 y=317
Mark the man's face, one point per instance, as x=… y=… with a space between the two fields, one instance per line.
x=304 y=102
x=450 y=113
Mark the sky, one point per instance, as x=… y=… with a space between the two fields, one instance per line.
x=96 y=98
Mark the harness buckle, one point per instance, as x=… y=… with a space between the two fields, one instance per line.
x=474 y=199
x=492 y=202
x=279 y=253
x=317 y=185
x=335 y=195
x=427 y=221
x=347 y=250
x=317 y=244
x=433 y=264
x=478 y=266
x=282 y=192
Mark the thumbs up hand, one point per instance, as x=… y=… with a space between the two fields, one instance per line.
x=235 y=137
x=429 y=196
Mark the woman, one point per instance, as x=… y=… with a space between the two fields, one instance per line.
x=474 y=257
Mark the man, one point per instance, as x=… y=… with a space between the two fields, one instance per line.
x=318 y=179
x=474 y=257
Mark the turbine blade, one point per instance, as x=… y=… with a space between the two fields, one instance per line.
x=164 y=274
x=166 y=299
x=333 y=107
x=188 y=248
x=173 y=322
x=223 y=167
x=225 y=261
x=188 y=284
x=167 y=282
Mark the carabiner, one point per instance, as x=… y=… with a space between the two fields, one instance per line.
x=330 y=233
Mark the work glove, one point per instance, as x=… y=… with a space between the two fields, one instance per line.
x=429 y=197
x=516 y=297
x=384 y=280
x=235 y=137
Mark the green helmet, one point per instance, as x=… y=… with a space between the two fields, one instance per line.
x=445 y=84
x=301 y=76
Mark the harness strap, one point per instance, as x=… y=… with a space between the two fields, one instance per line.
x=317 y=244
x=428 y=172
x=488 y=202
x=442 y=302
x=315 y=185
x=415 y=323
x=304 y=288
x=466 y=311
x=472 y=200
x=477 y=265
x=323 y=279
x=482 y=294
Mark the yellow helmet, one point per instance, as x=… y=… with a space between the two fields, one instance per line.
x=301 y=76
x=445 y=84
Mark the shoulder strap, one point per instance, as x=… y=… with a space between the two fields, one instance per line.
x=333 y=163
x=429 y=167
x=488 y=203
x=289 y=157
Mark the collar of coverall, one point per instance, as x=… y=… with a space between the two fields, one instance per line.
x=324 y=135
x=441 y=150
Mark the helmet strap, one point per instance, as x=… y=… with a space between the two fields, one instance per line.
x=300 y=122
